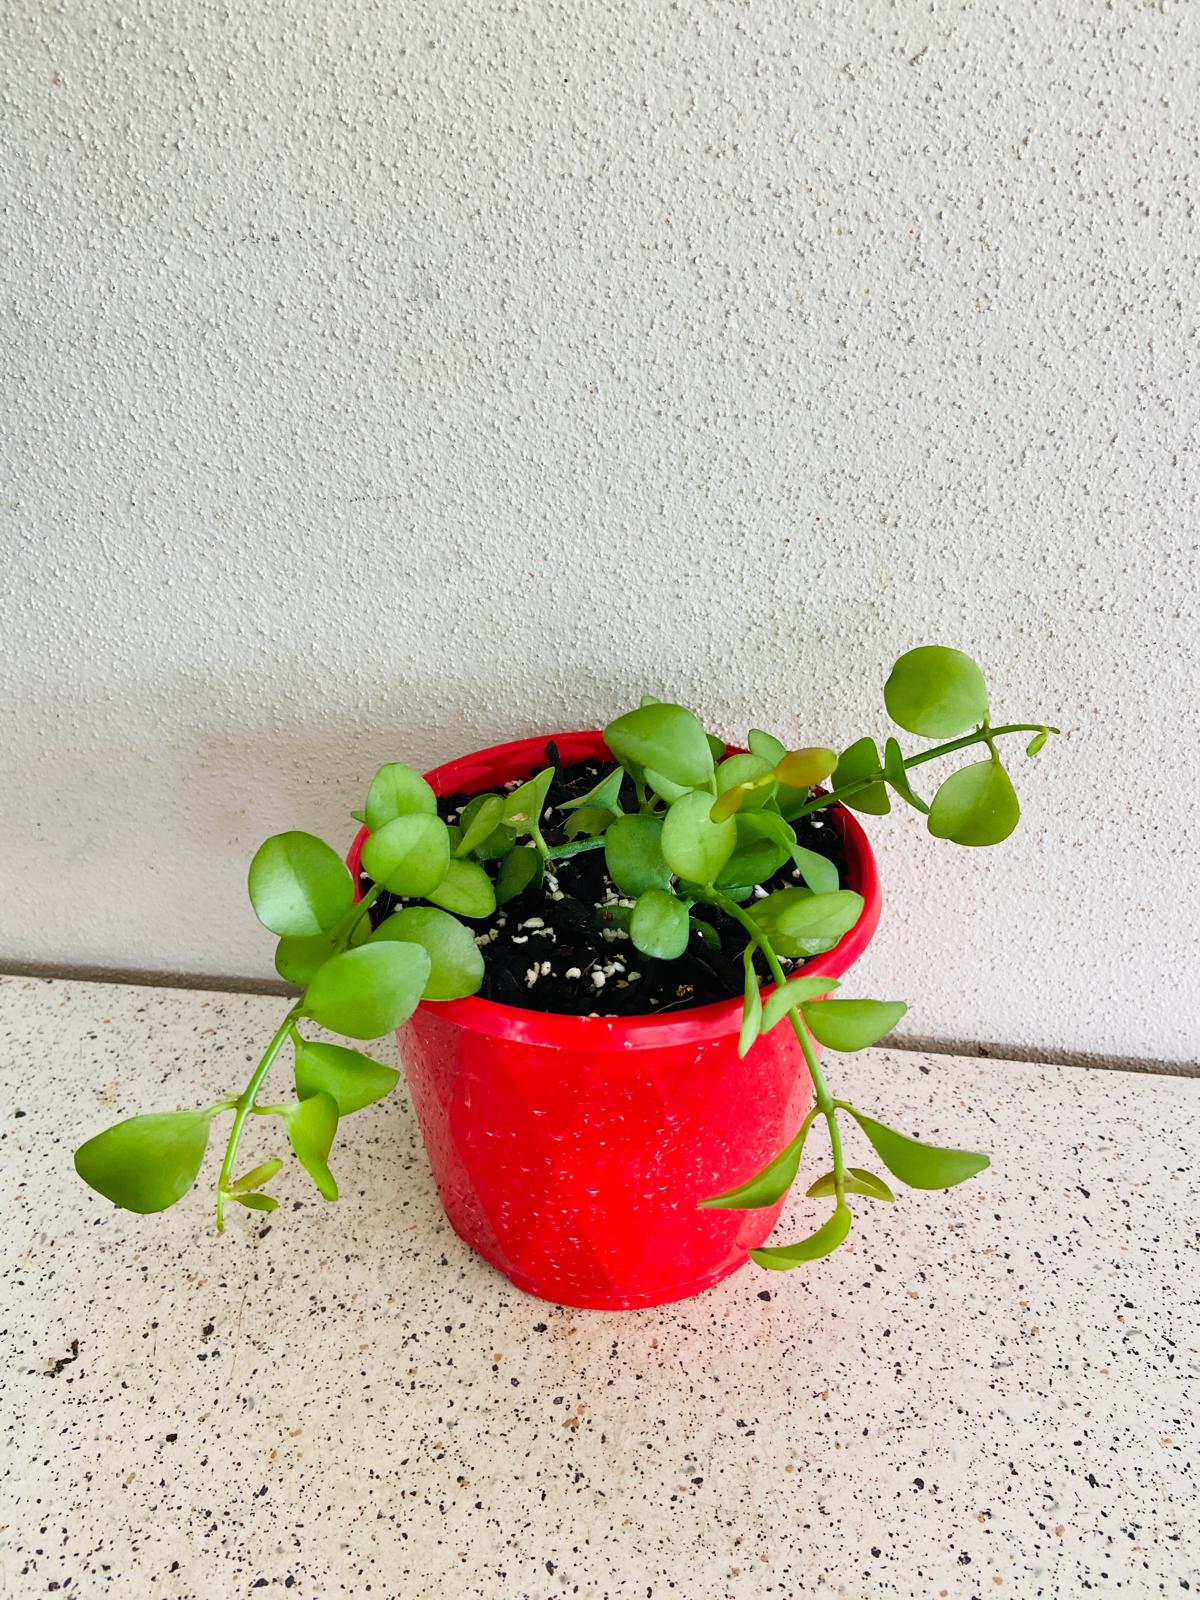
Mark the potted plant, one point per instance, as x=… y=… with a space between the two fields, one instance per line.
x=612 y=961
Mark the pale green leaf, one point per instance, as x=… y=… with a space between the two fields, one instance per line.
x=520 y=868
x=896 y=774
x=351 y=1079
x=936 y=692
x=365 y=993
x=852 y=1024
x=256 y=1177
x=466 y=890
x=658 y=925
x=311 y=1126
x=800 y=923
x=298 y=885
x=146 y=1163
x=667 y=739
x=478 y=819
x=862 y=760
x=769 y=1184
x=921 y=1166
x=398 y=791
x=605 y=796
x=977 y=805
x=633 y=855
x=455 y=960
x=695 y=847
x=821 y=1243
x=409 y=856
x=766 y=746
x=788 y=996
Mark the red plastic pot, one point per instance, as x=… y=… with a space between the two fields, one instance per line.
x=571 y=1152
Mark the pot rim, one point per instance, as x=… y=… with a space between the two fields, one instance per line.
x=520 y=757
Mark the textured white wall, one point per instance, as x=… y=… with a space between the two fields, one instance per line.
x=384 y=380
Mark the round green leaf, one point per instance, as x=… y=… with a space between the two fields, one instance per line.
x=861 y=760
x=490 y=846
x=747 y=769
x=766 y=745
x=296 y=960
x=146 y=1163
x=659 y=925
x=818 y=872
x=936 y=692
x=822 y=1243
x=694 y=846
x=455 y=960
x=409 y=855
x=311 y=1126
x=466 y=890
x=976 y=805
x=398 y=791
x=762 y=848
x=633 y=855
x=852 y=1024
x=668 y=739
x=367 y=992
x=298 y=885
x=800 y=923
x=921 y=1166
x=351 y=1079
x=524 y=806
x=522 y=867
x=478 y=820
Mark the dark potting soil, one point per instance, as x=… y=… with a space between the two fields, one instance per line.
x=547 y=950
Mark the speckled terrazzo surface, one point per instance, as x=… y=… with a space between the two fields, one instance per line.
x=991 y=1392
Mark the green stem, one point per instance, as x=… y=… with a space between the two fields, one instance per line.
x=361 y=907
x=573 y=847
x=826 y=1104
x=984 y=735
x=245 y=1105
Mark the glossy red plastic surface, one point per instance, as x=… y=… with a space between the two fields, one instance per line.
x=570 y=1152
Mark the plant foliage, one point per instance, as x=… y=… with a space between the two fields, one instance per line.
x=710 y=826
